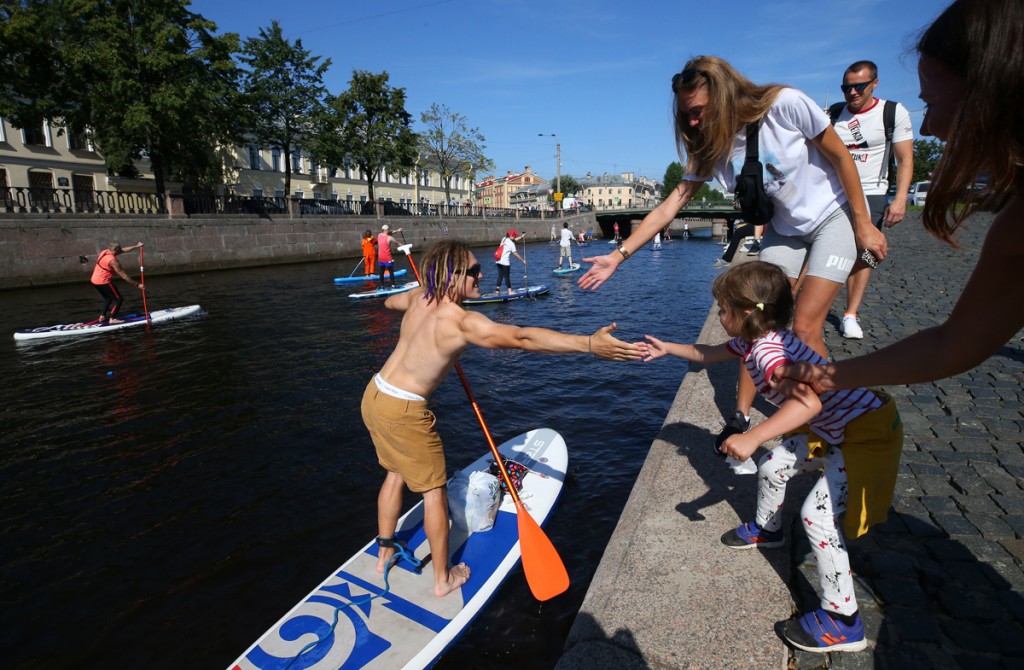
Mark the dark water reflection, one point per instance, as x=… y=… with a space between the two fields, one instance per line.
x=168 y=495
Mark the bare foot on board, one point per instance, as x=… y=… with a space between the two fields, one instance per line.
x=457 y=576
x=384 y=555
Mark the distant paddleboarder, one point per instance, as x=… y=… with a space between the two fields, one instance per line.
x=435 y=331
x=102 y=279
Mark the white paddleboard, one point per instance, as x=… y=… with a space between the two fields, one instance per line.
x=409 y=627
x=504 y=296
x=355 y=279
x=385 y=292
x=89 y=328
x=568 y=269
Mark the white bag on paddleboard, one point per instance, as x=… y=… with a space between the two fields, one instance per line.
x=473 y=501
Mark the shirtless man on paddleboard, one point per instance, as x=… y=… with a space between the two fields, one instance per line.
x=435 y=331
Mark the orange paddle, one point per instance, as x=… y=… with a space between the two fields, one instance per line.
x=545 y=572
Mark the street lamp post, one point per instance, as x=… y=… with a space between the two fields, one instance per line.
x=558 y=170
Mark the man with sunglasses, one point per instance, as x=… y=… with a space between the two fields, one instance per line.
x=435 y=330
x=862 y=125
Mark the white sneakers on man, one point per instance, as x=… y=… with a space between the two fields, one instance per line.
x=850 y=328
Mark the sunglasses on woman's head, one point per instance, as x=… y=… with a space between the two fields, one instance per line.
x=685 y=77
x=846 y=88
x=473 y=271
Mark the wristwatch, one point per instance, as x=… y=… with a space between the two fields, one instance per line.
x=624 y=252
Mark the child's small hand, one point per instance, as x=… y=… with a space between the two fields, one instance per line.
x=740 y=446
x=653 y=348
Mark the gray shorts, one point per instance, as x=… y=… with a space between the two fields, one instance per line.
x=565 y=252
x=828 y=251
x=876 y=209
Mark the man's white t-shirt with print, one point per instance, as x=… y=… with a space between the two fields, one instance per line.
x=863 y=134
x=798 y=177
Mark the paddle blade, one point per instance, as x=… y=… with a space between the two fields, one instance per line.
x=545 y=572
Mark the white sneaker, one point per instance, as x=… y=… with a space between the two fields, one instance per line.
x=850 y=328
x=719 y=264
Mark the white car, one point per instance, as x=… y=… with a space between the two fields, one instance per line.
x=918 y=193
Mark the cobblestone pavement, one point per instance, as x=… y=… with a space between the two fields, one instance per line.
x=941 y=583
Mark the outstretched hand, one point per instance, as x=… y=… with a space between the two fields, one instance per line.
x=604 y=345
x=651 y=349
x=603 y=267
x=819 y=377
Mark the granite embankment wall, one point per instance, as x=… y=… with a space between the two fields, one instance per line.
x=38 y=251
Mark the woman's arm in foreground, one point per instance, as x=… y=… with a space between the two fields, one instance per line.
x=660 y=216
x=988 y=313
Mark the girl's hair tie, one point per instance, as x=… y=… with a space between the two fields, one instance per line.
x=760 y=306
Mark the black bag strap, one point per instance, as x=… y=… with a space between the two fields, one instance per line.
x=835 y=110
x=752 y=149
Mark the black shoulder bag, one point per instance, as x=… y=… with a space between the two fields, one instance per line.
x=751 y=198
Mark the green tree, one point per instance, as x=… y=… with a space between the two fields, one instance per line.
x=284 y=93
x=450 y=146
x=144 y=79
x=926 y=157
x=673 y=175
x=569 y=185
x=705 y=191
x=368 y=125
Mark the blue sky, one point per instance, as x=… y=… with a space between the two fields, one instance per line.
x=595 y=73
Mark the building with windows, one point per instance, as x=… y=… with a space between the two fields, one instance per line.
x=532 y=197
x=619 y=191
x=496 y=192
x=48 y=164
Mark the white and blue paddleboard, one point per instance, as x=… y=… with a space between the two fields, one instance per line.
x=409 y=627
x=361 y=278
x=91 y=328
x=385 y=292
x=568 y=269
x=503 y=296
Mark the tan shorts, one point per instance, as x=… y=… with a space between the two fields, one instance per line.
x=405 y=435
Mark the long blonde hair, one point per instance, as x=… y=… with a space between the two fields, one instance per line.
x=733 y=102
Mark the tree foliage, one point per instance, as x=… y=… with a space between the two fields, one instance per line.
x=926 y=157
x=284 y=93
x=368 y=125
x=673 y=175
x=448 y=145
x=143 y=78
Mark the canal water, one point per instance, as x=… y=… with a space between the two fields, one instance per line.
x=166 y=496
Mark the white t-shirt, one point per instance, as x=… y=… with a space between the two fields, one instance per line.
x=566 y=240
x=798 y=177
x=863 y=134
x=508 y=247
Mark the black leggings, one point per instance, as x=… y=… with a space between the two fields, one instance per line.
x=506 y=272
x=740 y=232
x=112 y=299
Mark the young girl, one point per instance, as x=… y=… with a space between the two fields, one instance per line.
x=854 y=437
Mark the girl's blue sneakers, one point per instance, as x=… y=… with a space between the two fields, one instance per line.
x=819 y=632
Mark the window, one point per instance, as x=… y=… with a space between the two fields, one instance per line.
x=83 y=189
x=275 y=160
x=257 y=193
x=278 y=192
x=297 y=163
x=79 y=142
x=254 y=157
x=36 y=136
x=41 y=191
x=3 y=132
x=299 y=194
